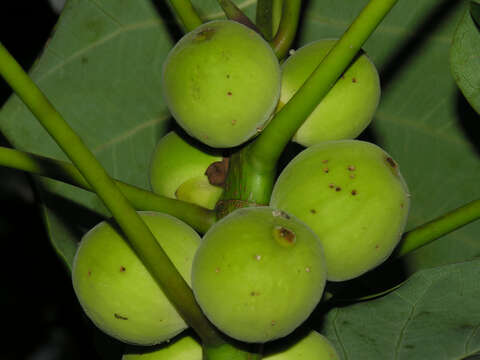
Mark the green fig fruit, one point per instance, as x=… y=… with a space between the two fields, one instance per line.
x=184 y=348
x=351 y=193
x=118 y=293
x=178 y=170
x=349 y=106
x=221 y=83
x=311 y=346
x=258 y=274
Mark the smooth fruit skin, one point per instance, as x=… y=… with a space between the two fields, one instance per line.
x=177 y=171
x=221 y=83
x=312 y=346
x=258 y=274
x=118 y=293
x=349 y=106
x=351 y=193
x=185 y=348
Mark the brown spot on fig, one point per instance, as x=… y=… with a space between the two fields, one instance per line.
x=338 y=188
x=234 y=122
x=324 y=161
x=326 y=170
x=331 y=186
x=377 y=246
x=120 y=317
x=281 y=213
x=228 y=76
x=351 y=168
x=284 y=236
x=352 y=176
x=217 y=270
x=307 y=269
x=313 y=211
x=122 y=269
x=391 y=162
x=354 y=192
x=89 y=272
x=354 y=80
x=402 y=205
x=273 y=323
x=254 y=293
x=205 y=34
x=229 y=93
x=217 y=172
x=258 y=257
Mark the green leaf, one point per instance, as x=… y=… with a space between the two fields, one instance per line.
x=433 y=316
x=465 y=58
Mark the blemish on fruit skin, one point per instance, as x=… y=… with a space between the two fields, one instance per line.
x=352 y=176
x=281 y=213
x=376 y=246
x=228 y=76
x=402 y=205
x=254 y=293
x=234 y=122
x=324 y=161
x=258 y=257
x=326 y=170
x=351 y=168
x=205 y=34
x=89 y=272
x=354 y=192
x=354 y=80
x=391 y=162
x=338 y=188
x=307 y=269
x=217 y=270
x=331 y=186
x=273 y=323
x=313 y=211
x=120 y=317
x=122 y=269
x=229 y=93
x=284 y=236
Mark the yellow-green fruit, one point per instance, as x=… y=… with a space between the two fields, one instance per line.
x=312 y=346
x=118 y=293
x=185 y=348
x=351 y=193
x=221 y=83
x=177 y=171
x=348 y=107
x=258 y=274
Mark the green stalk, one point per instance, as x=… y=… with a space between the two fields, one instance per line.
x=197 y=217
x=438 y=227
x=264 y=18
x=186 y=13
x=268 y=147
x=137 y=233
x=234 y=13
x=287 y=29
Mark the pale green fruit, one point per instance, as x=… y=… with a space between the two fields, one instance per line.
x=258 y=274
x=221 y=83
x=118 y=293
x=312 y=346
x=185 y=348
x=351 y=193
x=177 y=171
x=349 y=106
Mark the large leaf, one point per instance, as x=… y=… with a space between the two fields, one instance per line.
x=102 y=70
x=465 y=57
x=433 y=316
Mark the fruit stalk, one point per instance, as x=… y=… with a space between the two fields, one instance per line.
x=234 y=13
x=287 y=29
x=187 y=14
x=438 y=227
x=264 y=18
x=270 y=144
x=136 y=231
x=197 y=217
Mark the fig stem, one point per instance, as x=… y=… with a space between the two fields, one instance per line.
x=234 y=13
x=186 y=13
x=137 y=233
x=197 y=217
x=442 y=225
x=264 y=18
x=287 y=29
x=270 y=144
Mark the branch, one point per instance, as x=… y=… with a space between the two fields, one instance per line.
x=438 y=227
x=186 y=13
x=234 y=13
x=288 y=27
x=137 y=233
x=197 y=217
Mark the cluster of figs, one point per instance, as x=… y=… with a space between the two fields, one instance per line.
x=337 y=210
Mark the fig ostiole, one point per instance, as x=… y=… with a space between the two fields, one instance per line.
x=349 y=106
x=221 y=83
x=258 y=274
x=352 y=194
x=118 y=293
x=178 y=171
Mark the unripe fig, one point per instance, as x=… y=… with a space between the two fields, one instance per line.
x=118 y=293
x=258 y=274
x=312 y=346
x=348 y=107
x=178 y=171
x=351 y=193
x=185 y=348
x=221 y=83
